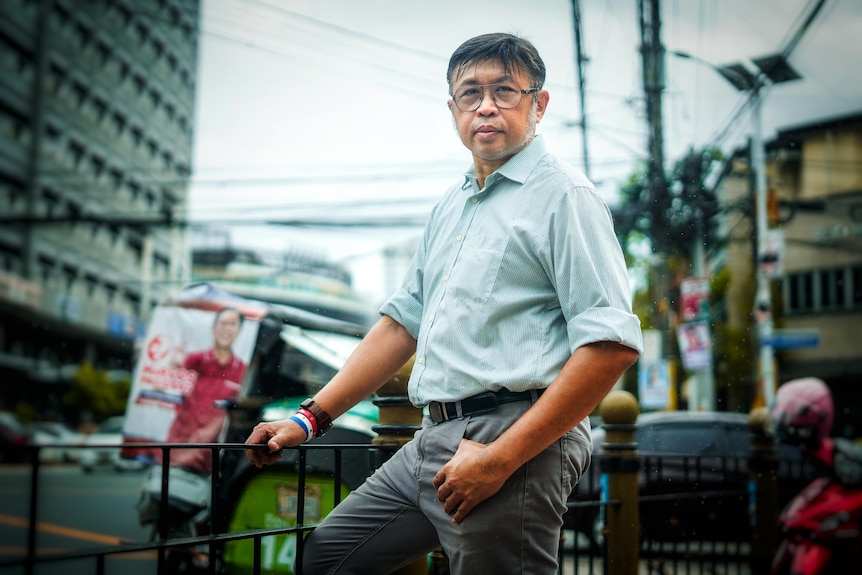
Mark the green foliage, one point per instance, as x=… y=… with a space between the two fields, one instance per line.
x=671 y=213
x=93 y=391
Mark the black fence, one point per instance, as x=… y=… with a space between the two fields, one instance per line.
x=696 y=514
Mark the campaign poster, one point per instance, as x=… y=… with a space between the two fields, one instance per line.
x=694 y=345
x=694 y=296
x=654 y=384
x=190 y=359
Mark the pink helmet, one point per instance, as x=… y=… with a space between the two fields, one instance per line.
x=802 y=412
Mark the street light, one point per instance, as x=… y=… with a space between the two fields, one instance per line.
x=773 y=69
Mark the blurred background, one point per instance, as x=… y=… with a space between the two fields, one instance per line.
x=290 y=151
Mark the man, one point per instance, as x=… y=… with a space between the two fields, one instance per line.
x=219 y=373
x=518 y=288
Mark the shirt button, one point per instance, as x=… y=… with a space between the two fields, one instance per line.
x=421 y=360
x=459 y=237
x=446 y=278
x=475 y=200
x=430 y=318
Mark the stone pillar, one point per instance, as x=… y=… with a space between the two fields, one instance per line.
x=763 y=492
x=619 y=483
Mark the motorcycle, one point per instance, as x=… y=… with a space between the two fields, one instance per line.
x=820 y=527
x=188 y=515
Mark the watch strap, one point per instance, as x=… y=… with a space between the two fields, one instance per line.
x=324 y=421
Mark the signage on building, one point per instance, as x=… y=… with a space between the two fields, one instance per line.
x=18 y=291
x=837 y=232
x=793 y=338
x=123 y=326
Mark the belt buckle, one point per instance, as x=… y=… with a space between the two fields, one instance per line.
x=437 y=413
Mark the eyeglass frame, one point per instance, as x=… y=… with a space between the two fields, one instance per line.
x=522 y=91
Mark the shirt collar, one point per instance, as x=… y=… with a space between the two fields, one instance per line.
x=518 y=167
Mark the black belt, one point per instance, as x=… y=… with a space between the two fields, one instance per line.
x=482 y=403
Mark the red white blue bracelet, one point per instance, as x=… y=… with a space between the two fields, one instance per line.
x=301 y=420
x=311 y=418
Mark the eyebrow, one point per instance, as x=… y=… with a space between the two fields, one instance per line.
x=497 y=80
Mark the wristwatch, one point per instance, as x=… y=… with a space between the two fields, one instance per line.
x=324 y=421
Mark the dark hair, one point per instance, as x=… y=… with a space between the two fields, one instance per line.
x=511 y=51
x=221 y=312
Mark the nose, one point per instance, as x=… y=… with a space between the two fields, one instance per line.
x=488 y=105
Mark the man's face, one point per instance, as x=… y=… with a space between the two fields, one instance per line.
x=492 y=133
x=226 y=329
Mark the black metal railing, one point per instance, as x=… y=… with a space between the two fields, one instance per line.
x=696 y=544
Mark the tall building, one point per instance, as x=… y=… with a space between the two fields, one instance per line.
x=96 y=115
x=814 y=174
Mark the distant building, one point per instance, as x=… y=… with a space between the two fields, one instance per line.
x=295 y=278
x=814 y=177
x=96 y=114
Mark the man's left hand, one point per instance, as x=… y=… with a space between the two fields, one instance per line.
x=467 y=479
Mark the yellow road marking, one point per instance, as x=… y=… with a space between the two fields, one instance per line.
x=61 y=530
x=7 y=551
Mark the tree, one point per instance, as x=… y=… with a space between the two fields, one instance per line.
x=670 y=223
x=95 y=392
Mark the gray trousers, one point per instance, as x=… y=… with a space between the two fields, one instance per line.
x=394 y=518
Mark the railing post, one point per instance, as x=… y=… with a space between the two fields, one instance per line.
x=619 y=483
x=762 y=492
x=398 y=420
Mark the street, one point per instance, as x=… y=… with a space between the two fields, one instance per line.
x=77 y=511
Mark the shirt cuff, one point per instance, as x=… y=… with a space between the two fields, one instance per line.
x=605 y=324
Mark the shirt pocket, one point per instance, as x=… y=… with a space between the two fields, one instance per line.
x=475 y=271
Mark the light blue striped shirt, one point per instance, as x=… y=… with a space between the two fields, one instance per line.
x=508 y=281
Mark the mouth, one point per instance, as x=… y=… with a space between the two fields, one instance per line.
x=485 y=132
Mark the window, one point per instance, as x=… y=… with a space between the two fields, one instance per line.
x=76 y=151
x=104 y=52
x=101 y=107
x=137 y=135
x=829 y=289
x=56 y=78
x=46 y=267
x=97 y=165
x=120 y=122
x=140 y=82
x=83 y=35
x=116 y=177
x=92 y=281
x=50 y=200
x=80 y=92
x=110 y=291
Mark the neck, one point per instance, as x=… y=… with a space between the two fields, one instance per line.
x=222 y=354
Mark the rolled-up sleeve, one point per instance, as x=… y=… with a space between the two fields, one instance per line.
x=590 y=274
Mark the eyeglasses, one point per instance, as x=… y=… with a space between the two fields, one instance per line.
x=469 y=98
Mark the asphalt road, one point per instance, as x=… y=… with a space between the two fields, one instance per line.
x=76 y=511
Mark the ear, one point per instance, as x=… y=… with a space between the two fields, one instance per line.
x=542 y=98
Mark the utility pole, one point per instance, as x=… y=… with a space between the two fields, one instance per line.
x=652 y=54
x=579 y=52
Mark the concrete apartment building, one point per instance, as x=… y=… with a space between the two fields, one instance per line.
x=96 y=116
x=814 y=172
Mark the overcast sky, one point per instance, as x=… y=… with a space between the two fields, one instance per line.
x=336 y=109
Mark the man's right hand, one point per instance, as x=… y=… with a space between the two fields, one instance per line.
x=276 y=435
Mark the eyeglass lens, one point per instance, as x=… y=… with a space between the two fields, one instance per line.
x=470 y=98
